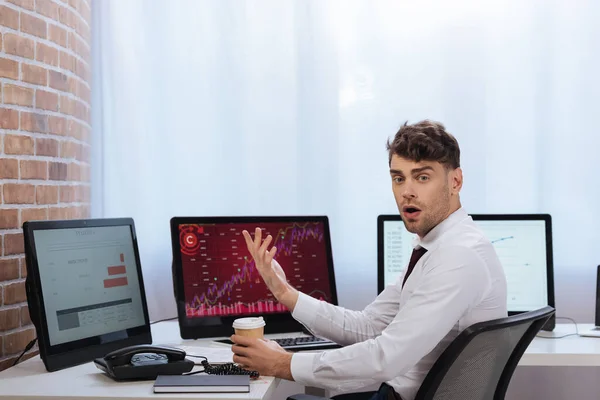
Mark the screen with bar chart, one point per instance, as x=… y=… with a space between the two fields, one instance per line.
x=89 y=281
x=219 y=275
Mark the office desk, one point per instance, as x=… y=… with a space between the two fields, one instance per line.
x=558 y=369
x=30 y=380
x=571 y=351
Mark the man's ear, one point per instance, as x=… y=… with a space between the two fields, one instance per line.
x=456 y=180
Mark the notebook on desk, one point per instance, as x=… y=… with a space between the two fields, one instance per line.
x=202 y=384
x=215 y=280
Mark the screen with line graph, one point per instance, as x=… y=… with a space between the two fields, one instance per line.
x=523 y=245
x=219 y=276
x=521 y=248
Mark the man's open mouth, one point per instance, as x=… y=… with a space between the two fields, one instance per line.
x=411 y=212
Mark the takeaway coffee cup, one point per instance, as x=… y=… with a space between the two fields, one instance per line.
x=250 y=327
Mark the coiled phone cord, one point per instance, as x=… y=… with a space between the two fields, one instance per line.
x=223 y=369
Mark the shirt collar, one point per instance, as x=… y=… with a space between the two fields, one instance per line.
x=432 y=238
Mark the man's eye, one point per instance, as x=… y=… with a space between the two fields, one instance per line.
x=397 y=179
x=423 y=178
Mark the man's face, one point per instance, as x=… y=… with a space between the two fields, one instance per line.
x=426 y=193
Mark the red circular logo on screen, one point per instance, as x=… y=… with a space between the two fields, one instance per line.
x=188 y=239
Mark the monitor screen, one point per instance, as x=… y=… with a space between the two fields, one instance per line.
x=397 y=248
x=89 y=282
x=521 y=248
x=523 y=244
x=219 y=275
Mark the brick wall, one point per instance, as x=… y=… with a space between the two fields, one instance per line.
x=44 y=138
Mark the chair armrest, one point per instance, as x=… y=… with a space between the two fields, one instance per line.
x=302 y=396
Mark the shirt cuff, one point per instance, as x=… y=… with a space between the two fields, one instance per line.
x=301 y=367
x=306 y=309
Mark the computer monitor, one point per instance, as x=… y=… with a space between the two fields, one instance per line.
x=84 y=288
x=215 y=279
x=597 y=317
x=595 y=331
x=523 y=243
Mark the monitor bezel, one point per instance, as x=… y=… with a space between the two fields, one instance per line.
x=63 y=355
x=597 y=310
x=381 y=219
x=221 y=326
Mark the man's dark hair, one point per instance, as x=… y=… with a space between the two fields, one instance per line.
x=428 y=141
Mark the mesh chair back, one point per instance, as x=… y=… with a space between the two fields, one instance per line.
x=479 y=363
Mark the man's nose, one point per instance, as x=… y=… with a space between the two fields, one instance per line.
x=408 y=191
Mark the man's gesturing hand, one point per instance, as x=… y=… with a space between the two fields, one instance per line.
x=269 y=269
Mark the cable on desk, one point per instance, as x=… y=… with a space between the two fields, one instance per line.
x=162 y=320
x=27 y=348
x=563 y=336
x=194 y=356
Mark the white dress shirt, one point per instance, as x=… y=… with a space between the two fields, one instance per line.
x=396 y=339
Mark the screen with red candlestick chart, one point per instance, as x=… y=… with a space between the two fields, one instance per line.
x=220 y=278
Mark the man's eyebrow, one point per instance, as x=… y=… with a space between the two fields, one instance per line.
x=418 y=170
x=414 y=171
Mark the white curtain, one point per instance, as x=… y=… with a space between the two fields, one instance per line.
x=284 y=107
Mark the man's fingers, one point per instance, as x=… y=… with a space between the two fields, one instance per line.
x=257 y=238
x=242 y=361
x=263 y=247
x=239 y=350
x=270 y=254
x=249 y=242
x=241 y=340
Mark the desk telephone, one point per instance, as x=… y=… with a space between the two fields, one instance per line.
x=143 y=362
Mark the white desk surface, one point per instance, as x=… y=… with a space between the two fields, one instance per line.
x=30 y=380
x=571 y=351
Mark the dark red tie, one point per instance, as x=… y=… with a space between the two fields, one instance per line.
x=416 y=254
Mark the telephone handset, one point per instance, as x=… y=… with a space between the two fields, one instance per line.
x=144 y=362
x=125 y=355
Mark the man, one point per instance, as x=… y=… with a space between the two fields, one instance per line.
x=454 y=280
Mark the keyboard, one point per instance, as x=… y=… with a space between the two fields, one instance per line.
x=299 y=343
x=306 y=343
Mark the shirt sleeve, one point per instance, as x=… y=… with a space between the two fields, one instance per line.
x=454 y=279
x=347 y=326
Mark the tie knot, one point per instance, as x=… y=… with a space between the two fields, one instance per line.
x=420 y=251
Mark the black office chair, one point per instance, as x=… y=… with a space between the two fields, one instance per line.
x=479 y=363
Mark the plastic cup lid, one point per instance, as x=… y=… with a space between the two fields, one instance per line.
x=248 y=323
